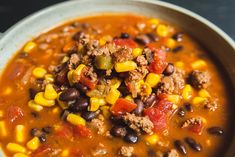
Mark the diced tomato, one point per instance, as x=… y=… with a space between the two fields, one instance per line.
x=157 y=66
x=157 y=53
x=162 y=96
x=88 y=82
x=125 y=42
x=14 y=113
x=123 y=106
x=164 y=106
x=82 y=131
x=158 y=118
x=196 y=128
x=64 y=131
x=43 y=150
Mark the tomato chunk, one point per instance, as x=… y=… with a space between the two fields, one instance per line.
x=88 y=82
x=196 y=128
x=158 y=118
x=14 y=113
x=43 y=150
x=157 y=66
x=164 y=106
x=125 y=42
x=123 y=106
x=157 y=53
x=82 y=131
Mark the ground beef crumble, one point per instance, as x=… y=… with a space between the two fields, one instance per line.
x=199 y=79
x=126 y=151
x=172 y=153
x=138 y=124
x=210 y=105
x=122 y=54
x=171 y=84
x=192 y=121
x=141 y=60
x=73 y=61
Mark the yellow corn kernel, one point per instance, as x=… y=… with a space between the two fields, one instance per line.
x=152 y=139
x=65 y=152
x=20 y=133
x=198 y=64
x=50 y=92
x=20 y=155
x=33 y=144
x=137 y=52
x=198 y=100
x=77 y=72
x=152 y=79
x=170 y=43
x=129 y=97
x=204 y=93
x=62 y=104
x=112 y=96
x=179 y=64
x=125 y=66
x=102 y=41
x=105 y=110
x=39 y=72
x=49 y=78
x=39 y=99
x=95 y=103
x=34 y=106
x=162 y=30
x=14 y=147
x=115 y=83
x=1 y=113
x=29 y=46
x=76 y=119
x=174 y=98
x=187 y=92
x=70 y=77
x=154 y=21
x=3 y=129
x=145 y=89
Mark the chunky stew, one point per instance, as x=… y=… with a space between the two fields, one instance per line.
x=112 y=85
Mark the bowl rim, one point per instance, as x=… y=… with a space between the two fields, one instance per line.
x=229 y=151
x=168 y=5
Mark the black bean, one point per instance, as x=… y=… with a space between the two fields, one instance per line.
x=131 y=138
x=47 y=129
x=169 y=69
x=124 y=35
x=61 y=77
x=118 y=120
x=181 y=112
x=79 y=105
x=142 y=39
x=150 y=100
x=64 y=114
x=178 y=36
x=180 y=147
x=118 y=131
x=35 y=132
x=177 y=49
x=188 y=107
x=193 y=144
x=140 y=107
x=81 y=87
x=89 y=115
x=42 y=138
x=218 y=131
x=152 y=36
x=35 y=114
x=69 y=94
x=151 y=153
x=32 y=93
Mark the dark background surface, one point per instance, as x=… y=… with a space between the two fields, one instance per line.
x=220 y=12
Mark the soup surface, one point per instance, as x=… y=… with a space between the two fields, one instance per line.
x=112 y=85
